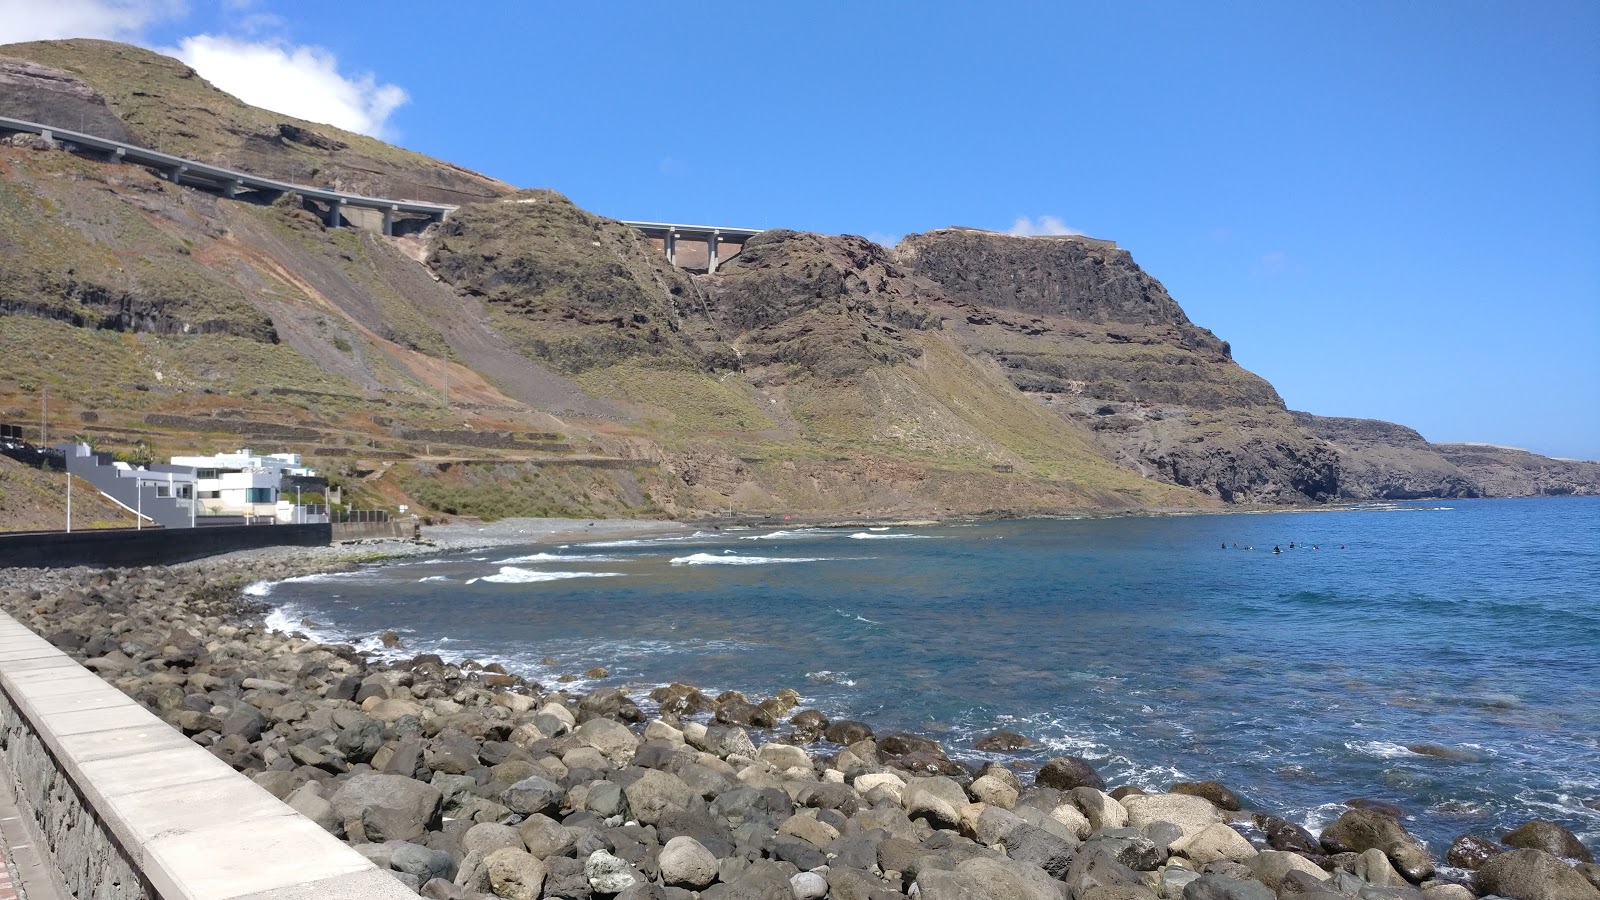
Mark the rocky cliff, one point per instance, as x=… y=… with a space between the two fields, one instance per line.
x=529 y=357
x=1075 y=323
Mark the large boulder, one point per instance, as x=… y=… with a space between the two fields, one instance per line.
x=534 y=795
x=1271 y=867
x=1067 y=772
x=991 y=879
x=686 y=863
x=937 y=799
x=1532 y=875
x=1471 y=852
x=389 y=807
x=609 y=737
x=1192 y=814
x=515 y=874
x=1358 y=830
x=1214 y=791
x=1212 y=843
x=1549 y=837
x=655 y=793
x=1222 y=887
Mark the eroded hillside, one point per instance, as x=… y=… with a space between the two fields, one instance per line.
x=528 y=357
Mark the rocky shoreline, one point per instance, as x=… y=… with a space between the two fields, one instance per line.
x=467 y=781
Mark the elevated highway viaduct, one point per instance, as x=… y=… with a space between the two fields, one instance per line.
x=696 y=248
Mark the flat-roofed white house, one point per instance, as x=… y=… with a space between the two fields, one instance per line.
x=244 y=484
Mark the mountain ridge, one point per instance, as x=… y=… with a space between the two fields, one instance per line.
x=959 y=372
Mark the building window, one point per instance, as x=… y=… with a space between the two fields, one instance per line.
x=206 y=473
x=258 y=495
x=163 y=490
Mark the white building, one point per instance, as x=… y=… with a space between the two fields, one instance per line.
x=244 y=484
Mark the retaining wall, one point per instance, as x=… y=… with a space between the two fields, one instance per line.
x=132 y=810
x=393 y=529
x=150 y=546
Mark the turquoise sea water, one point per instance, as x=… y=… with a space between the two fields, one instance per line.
x=1298 y=678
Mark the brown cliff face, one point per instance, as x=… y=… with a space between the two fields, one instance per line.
x=1384 y=461
x=1077 y=324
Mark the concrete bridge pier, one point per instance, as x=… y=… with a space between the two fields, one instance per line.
x=175 y=174
x=335 y=213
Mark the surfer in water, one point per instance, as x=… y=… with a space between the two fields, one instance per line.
x=1277 y=549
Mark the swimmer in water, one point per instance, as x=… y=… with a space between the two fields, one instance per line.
x=1277 y=549
x=1291 y=545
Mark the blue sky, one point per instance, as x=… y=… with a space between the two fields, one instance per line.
x=1390 y=210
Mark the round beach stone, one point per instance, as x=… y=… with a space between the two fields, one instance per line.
x=515 y=874
x=1212 y=843
x=611 y=738
x=808 y=886
x=655 y=793
x=545 y=837
x=487 y=837
x=994 y=792
x=1272 y=866
x=938 y=799
x=1358 y=830
x=607 y=874
x=533 y=795
x=686 y=863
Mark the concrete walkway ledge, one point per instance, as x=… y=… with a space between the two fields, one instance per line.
x=133 y=810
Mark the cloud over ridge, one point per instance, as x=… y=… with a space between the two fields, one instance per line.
x=1025 y=226
x=265 y=70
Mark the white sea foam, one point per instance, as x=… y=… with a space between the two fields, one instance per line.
x=851 y=615
x=434 y=578
x=554 y=557
x=263 y=588
x=783 y=535
x=1380 y=749
x=712 y=559
x=649 y=542
x=867 y=536
x=826 y=677
x=514 y=575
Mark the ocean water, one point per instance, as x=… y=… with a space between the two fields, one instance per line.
x=1300 y=679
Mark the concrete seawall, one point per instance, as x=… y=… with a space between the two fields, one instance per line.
x=132 y=810
x=150 y=546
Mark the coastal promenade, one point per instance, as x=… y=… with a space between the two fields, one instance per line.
x=133 y=810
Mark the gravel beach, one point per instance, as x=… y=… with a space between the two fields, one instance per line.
x=467 y=781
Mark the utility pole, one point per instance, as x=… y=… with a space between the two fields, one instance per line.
x=447 y=384
x=138 y=504
x=69 y=503
x=44 y=419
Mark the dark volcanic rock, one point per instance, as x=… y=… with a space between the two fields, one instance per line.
x=1068 y=772
x=1469 y=852
x=1210 y=790
x=1549 y=837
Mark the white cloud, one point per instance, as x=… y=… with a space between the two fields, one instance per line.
x=117 y=20
x=300 y=81
x=1044 y=225
x=265 y=70
x=883 y=238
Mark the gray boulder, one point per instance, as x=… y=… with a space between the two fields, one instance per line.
x=1549 y=837
x=1358 y=830
x=938 y=799
x=389 y=807
x=515 y=874
x=534 y=795
x=989 y=879
x=425 y=863
x=655 y=793
x=1221 y=887
x=608 y=874
x=1532 y=875
x=1067 y=772
x=686 y=863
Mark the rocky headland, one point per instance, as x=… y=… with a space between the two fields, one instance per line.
x=468 y=781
